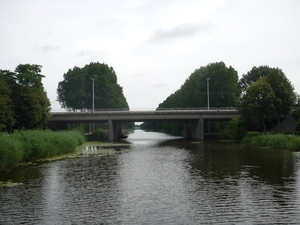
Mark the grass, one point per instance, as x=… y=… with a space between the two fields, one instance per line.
x=283 y=141
x=24 y=146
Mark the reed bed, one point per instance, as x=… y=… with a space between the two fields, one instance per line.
x=283 y=141
x=23 y=146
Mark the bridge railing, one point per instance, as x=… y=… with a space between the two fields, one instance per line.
x=149 y=109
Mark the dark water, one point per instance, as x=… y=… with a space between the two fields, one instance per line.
x=157 y=180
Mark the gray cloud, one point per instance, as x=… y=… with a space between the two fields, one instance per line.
x=181 y=31
x=48 y=48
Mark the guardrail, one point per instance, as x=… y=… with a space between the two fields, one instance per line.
x=148 y=109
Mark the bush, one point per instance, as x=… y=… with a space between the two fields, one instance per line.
x=98 y=135
x=235 y=130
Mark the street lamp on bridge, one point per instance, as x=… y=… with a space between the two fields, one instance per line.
x=93 y=96
x=207 y=79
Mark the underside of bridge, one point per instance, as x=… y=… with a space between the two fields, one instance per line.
x=193 y=129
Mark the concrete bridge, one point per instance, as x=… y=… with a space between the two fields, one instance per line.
x=192 y=118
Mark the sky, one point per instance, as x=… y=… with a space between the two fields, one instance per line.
x=153 y=46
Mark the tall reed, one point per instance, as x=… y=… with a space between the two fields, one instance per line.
x=34 y=144
x=284 y=141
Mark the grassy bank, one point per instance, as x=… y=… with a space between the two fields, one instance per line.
x=284 y=141
x=25 y=146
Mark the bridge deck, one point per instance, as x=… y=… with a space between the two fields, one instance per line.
x=140 y=116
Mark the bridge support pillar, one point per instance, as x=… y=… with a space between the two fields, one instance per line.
x=111 y=130
x=114 y=130
x=193 y=129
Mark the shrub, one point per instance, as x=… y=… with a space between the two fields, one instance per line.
x=98 y=135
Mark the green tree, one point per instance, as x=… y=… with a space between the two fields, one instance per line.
x=281 y=86
x=6 y=109
x=253 y=75
x=223 y=88
x=283 y=90
x=30 y=103
x=224 y=91
x=258 y=103
x=75 y=91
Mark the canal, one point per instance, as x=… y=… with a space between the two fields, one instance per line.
x=157 y=179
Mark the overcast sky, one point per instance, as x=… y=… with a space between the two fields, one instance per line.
x=152 y=45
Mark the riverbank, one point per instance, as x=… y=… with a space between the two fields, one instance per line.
x=283 y=141
x=24 y=146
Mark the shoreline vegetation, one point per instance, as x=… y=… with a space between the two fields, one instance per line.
x=26 y=146
x=30 y=145
x=273 y=140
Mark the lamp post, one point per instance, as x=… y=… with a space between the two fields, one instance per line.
x=93 y=96
x=207 y=79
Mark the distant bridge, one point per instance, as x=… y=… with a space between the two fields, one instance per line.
x=192 y=117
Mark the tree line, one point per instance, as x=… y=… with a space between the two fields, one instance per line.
x=261 y=95
x=24 y=103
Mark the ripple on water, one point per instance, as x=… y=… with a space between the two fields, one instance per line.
x=174 y=182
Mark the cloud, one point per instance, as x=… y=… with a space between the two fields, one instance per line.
x=181 y=31
x=48 y=48
x=92 y=54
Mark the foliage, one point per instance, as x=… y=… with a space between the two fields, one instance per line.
x=282 y=89
x=275 y=140
x=235 y=130
x=223 y=88
x=30 y=145
x=6 y=108
x=258 y=102
x=26 y=103
x=98 y=135
x=75 y=92
x=252 y=76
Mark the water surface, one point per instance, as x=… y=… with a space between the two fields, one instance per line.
x=158 y=179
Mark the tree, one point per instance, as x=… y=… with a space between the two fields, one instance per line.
x=253 y=75
x=258 y=103
x=280 y=85
x=223 y=87
x=6 y=109
x=29 y=101
x=283 y=90
x=75 y=91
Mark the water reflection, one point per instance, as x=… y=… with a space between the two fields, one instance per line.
x=157 y=179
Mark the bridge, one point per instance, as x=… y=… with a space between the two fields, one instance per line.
x=192 y=118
